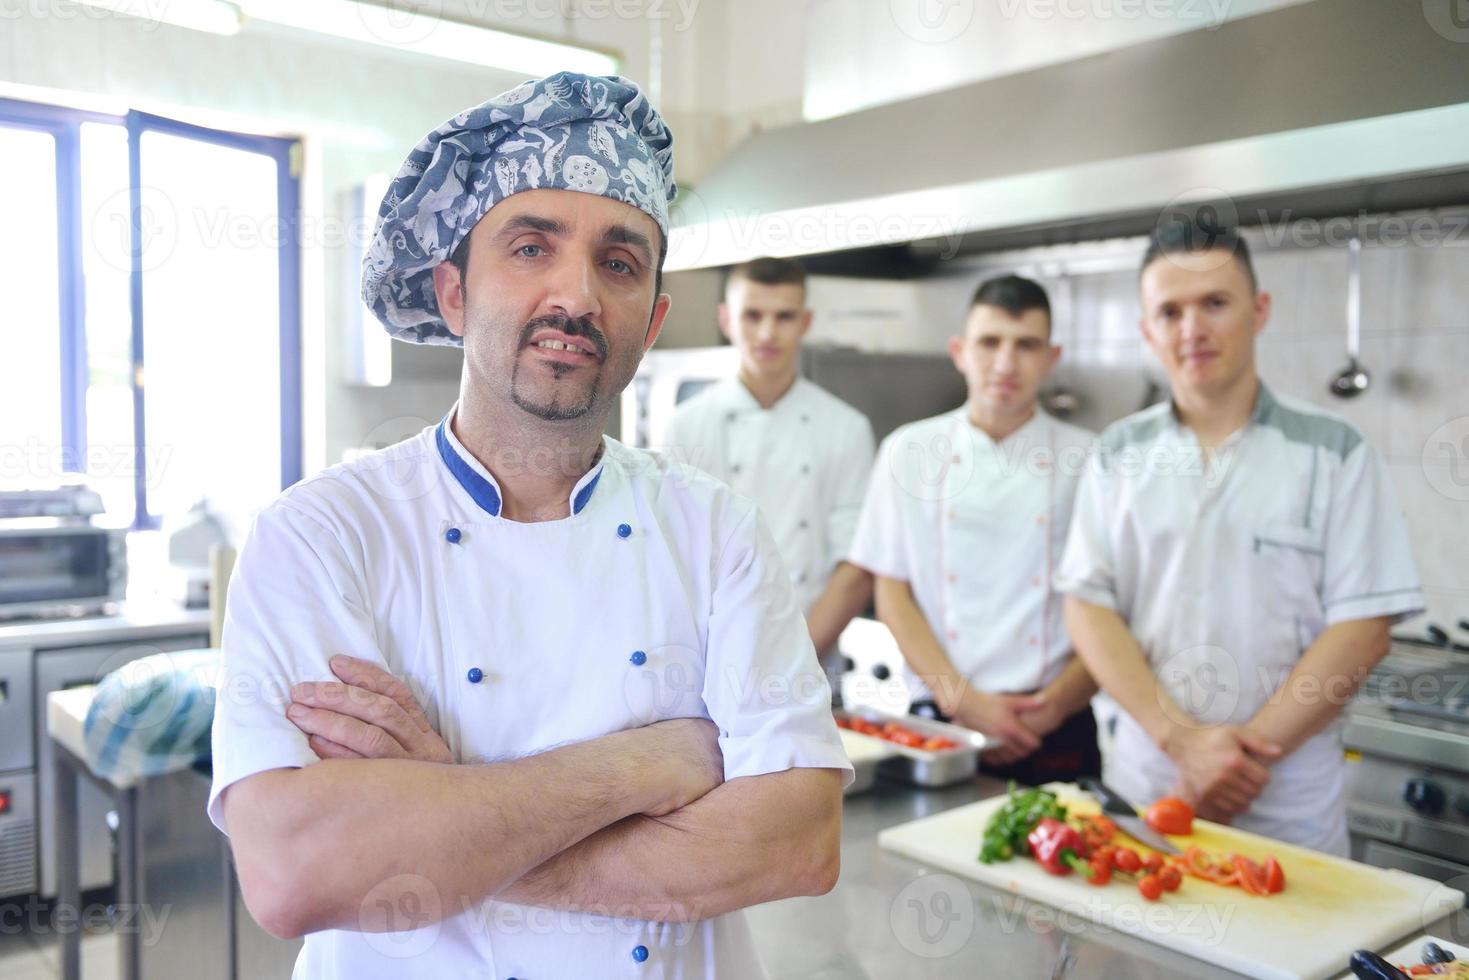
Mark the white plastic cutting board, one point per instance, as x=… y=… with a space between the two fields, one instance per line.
x=1329 y=908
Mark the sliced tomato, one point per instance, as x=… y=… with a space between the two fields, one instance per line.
x=1251 y=875
x=1200 y=864
x=1274 y=876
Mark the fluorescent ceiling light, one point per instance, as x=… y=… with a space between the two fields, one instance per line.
x=210 y=16
x=406 y=30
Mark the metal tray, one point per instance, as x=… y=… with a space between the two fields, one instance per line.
x=916 y=766
x=864 y=753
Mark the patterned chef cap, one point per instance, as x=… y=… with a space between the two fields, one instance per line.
x=588 y=133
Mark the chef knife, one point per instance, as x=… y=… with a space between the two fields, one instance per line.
x=1124 y=814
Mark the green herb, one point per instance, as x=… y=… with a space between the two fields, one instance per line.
x=1004 y=835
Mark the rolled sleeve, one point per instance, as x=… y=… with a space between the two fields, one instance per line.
x=294 y=603
x=763 y=686
x=1369 y=567
x=1087 y=569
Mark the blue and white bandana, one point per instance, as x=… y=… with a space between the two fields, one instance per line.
x=588 y=133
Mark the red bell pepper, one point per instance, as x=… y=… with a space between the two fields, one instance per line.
x=1058 y=847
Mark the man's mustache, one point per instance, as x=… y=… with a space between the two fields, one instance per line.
x=571 y=326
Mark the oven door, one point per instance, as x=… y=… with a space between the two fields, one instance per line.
x=42 y=567
x=1380 y=855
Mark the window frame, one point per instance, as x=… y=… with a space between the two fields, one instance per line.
x=64 y=125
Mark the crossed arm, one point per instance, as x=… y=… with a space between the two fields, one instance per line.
x=637 y=824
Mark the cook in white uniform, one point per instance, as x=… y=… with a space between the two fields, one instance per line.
x=802 y=454
x=596 y=638
x=1234 y=564
x=964 y=525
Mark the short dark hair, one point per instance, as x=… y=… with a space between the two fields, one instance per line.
x=768 y=272
x=459 y=259
x=1198 y=233
x=1013 y=294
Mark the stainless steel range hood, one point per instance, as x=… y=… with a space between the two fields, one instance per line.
x=1333 y=106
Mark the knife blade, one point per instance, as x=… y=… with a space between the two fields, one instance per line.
x=1124 y=814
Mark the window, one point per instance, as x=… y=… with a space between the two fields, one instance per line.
x=30 y=370
x=155 y=351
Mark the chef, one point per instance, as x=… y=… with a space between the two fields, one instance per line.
x=802 y=454
x=624 y=737
x=1234 y=564
x=964 y=525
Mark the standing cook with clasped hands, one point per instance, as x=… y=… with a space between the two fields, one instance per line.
x=622 y=721
x=964 y=525
x=1234 y=564
x=802 y=454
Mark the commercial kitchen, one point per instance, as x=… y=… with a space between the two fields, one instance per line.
x=897 y=488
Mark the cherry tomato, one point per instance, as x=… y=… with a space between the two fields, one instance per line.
x=1170 y=878
x=1152 y=863
x=1126 y=860
x=1101 y=873
x=1170 y=815
x=1151 y=887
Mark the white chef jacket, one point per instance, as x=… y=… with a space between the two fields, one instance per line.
x=660 y=597
x=976 y=528
x=1227 y=571
x=804 y=461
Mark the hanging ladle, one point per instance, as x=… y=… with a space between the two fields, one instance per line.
x=1353 y=379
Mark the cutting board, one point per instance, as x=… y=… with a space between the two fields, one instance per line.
x=1329 y=908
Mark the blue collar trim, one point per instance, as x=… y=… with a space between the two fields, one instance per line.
x=482 y=490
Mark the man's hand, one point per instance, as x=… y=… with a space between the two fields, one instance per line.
x=684 y=760
x=1040 y=721
x=370 y=714
x=1221 y=769
x=1000 y=716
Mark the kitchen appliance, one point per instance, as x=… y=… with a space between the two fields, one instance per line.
x=190 y=541
x=889 y=388
x=18 y=840
x=53 y=559
x=1407 y=737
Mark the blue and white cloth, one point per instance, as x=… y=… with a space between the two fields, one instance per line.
x=152 y=716
x=594 y=134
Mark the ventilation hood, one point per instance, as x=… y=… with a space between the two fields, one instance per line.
x=1331 y=107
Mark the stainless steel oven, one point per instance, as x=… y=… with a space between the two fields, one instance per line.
x=1407 y=740
x=52 y=565
x=18 y=811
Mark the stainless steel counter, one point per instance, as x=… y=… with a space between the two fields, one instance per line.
x=892 y=917
x=131 y=621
